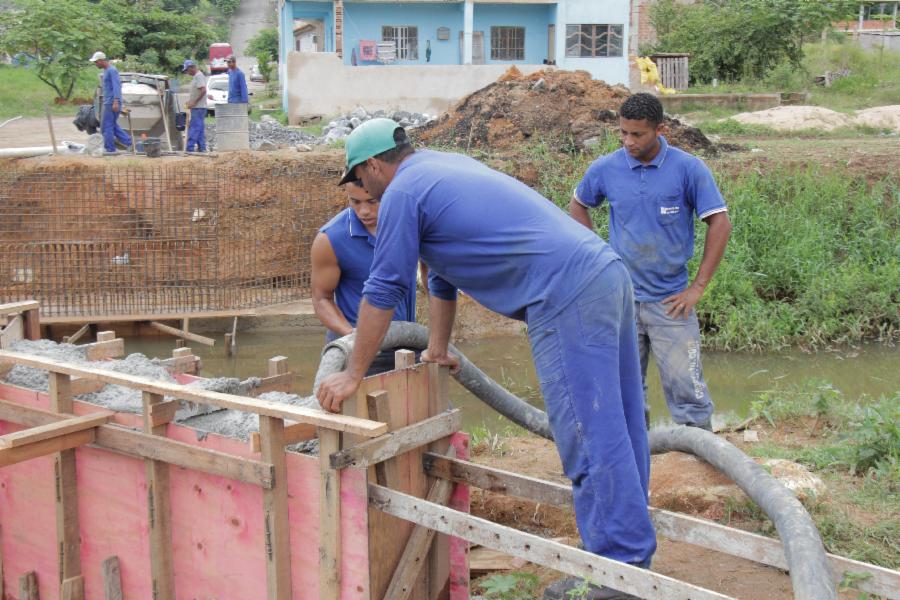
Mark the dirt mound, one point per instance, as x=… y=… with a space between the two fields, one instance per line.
x=881 y=117
x=563 y=108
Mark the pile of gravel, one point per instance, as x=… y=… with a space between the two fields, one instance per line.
x=341 y=127
x=267 y=134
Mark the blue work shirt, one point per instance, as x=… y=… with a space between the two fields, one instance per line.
x=237 y=87
x=354 y=248
x=651 y=213
x=112 y=86
x=482 y=232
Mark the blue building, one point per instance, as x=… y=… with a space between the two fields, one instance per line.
x=592 y=35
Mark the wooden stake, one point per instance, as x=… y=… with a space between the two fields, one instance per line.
x=157 y=474
x=439 y=556
x=386 y=473
x=278 y=365
x=229 y=346
x=404 y=359
x=275 y=511
x=32 y=324
x=183 y=334
x=28 y=586
x=72 y=589
x=50 y=126
x=112 y=579
x=329 y=517
x=77 y=335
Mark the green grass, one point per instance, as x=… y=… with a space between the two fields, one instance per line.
x=874 y=78
x=22 y=93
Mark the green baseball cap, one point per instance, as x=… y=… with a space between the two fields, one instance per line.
x=369 y=139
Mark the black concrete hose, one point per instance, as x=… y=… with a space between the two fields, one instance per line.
x=810 y=573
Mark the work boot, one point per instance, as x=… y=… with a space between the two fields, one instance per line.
x=707 y=425
x=564 y=589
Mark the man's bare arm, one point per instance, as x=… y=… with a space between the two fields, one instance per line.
x=326 y=274
x=717 y=234
x=580 y=213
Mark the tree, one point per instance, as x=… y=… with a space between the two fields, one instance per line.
x=264 y=47
x=60 y=35
x=733 y=39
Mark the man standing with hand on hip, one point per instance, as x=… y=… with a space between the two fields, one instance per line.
x=196 y=103
x=654 y=192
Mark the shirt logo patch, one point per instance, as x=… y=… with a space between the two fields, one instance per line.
x=669 y=210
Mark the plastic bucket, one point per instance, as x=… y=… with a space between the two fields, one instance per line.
x=152 y=147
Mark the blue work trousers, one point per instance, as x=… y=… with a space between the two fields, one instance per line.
x=586 y=358
x=197 y=130
x=111 y=131
x=675 y=344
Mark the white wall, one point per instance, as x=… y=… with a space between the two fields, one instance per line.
x=320 y=84
x=612 y=70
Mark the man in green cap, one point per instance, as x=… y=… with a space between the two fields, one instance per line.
x=518 y=254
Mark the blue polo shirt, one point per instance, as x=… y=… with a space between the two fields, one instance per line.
x=354 y=248
x=482 y=232
x=237 y=87
x=112 y=86
x=651 y=213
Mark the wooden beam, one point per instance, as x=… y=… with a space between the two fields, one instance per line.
x=675 y=526
x=278 y=365
x=106 y=336
x=32 y=324
x=398 y=441
x=141 y=445
x=567 y=559
x=180 y=333
x=404 y=359
x=416 y=553
x=329 y=517
x=112 y=579
x=68 y=536
x=362 y=427
x=72 y=588
x=229 y=345
x=60 y=428
x=13 y=308
x=293 y=434
x=274 y=383
x=159 y=515
x=85 y=386
x=71 y=339
x=163 y=412
x=275 y=510
x=379 y=407
x=11 y=456
x=28 y=586
x=438 y=377
x=12 y=332
x=105 y=349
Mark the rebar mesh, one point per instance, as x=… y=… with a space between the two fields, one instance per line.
x=175 y=238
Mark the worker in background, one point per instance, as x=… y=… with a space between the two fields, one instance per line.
x=196 y=137
x=342 y=254
x=654 y=192
x=237 y=83
x=112 y=105
x=516 y=253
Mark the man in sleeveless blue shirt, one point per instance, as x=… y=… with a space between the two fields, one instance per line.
x=654 y=192
x=341 y=259
x=518 y=254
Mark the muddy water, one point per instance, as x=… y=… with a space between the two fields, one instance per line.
x=734 y=379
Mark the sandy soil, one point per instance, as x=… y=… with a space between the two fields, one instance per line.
x=536 y=457
x=792 y=118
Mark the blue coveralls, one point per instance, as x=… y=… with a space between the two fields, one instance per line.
x=237 y=87
x=354 y=248
x=196 y=137
x=109 y=127
x=652 y=212
x=518 y=254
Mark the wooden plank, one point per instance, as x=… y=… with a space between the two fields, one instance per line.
x=13 y=332
x=112 y=579
x=163 y=412
x=180 y=333
x=85 y=386
x=675 y=526
x=293 y=434
x=72 y=588
x=106 y=336
x=398 y=442
x=278 y=365
x=404 y=359
x=415 y=555
x=103 y=350
x=11 y=456
x=71 y=339
x=274 y=383
x=32 y=322
x=567 y=559
x=28 y=586
x=275 y=510
x=386 y=472
x=354 y=425
x=159 y=511
x=182 y=352
x=141 y=445
x=12 y=308
x=485 y=560
x=439 y=557
x=60 y=428
x=329 y=517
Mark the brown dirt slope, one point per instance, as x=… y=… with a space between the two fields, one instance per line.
x=563 y=108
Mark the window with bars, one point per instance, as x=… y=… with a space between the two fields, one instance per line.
x=406 y=38
x=592 y=41
x=507 y=43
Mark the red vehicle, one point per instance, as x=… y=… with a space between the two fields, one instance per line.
x=217 y=54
